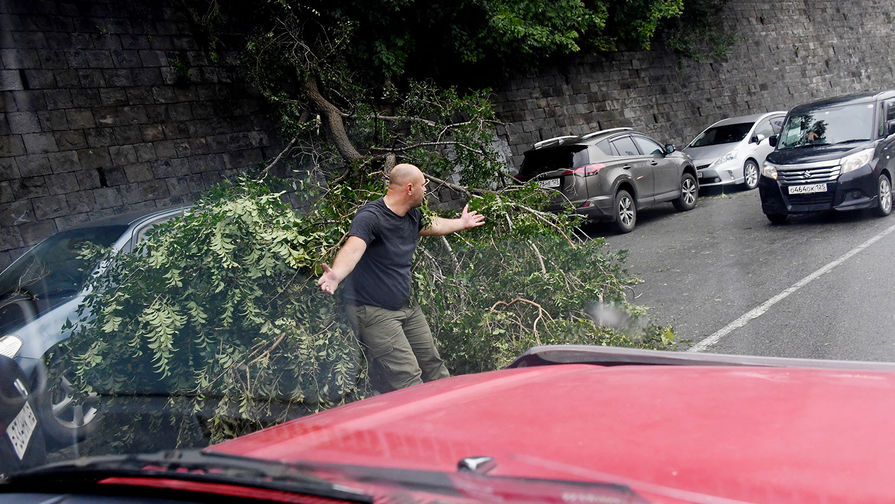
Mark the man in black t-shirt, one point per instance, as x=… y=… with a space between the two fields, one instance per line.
x=375 y=265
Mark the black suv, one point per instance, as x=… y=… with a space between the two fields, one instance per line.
x=611 y=174
x=832 y=154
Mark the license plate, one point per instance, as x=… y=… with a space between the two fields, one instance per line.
x=549 y=183
x=20 y=430
x=806 y=189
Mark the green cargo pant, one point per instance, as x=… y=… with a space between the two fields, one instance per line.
x=398 y=344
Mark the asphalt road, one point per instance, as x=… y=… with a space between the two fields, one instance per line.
x=730 y=282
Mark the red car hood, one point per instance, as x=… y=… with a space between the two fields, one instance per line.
x=741 y=433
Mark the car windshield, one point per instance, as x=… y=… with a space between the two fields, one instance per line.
x=828 y=126
x=398 y=251
x=728 y=133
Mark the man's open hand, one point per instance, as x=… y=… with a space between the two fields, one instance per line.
x=329 y=280
x=471 y=219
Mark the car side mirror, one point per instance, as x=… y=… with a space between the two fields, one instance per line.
x=669 y=148
x=772 y=140
x=891 y=125
x=757 y=138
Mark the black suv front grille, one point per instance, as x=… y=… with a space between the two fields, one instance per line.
x=809 y=175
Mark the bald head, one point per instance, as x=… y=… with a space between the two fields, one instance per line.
x=404 y=173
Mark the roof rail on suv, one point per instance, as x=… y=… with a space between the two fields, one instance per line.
x=553 y=140
x=610 y=130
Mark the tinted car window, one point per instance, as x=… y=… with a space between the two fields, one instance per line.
x=605 y=148
x=625 y=147
x=829 y=125
x=648 y=146
x=545 y=160
x=728 y=133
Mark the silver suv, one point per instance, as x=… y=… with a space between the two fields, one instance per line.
x=609 y=175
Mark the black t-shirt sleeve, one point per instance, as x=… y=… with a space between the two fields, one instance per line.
x=421 y=219
x=364 y=226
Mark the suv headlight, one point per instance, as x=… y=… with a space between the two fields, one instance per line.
x=769 y=171
x=730 y=156
x=10 y=345
x=856 y=160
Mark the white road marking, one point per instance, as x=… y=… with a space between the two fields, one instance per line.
x=762 y=308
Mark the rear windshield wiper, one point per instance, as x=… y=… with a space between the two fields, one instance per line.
x=182 y=465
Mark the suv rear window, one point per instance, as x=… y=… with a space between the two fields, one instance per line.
x=541 y=161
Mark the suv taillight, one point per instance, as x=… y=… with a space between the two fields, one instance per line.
x=585 y=171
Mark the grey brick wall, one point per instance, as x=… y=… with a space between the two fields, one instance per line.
x=94 y=121
x=787 y=52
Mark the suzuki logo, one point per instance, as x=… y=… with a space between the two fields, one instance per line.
x=806 y=174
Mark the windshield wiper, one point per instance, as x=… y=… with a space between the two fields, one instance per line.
x=181 y=465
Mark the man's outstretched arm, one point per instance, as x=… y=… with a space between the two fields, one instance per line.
x=344 y=263
x=440 y=226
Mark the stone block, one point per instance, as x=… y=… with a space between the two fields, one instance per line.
x=54 y=120
x=145 y=152
x=80 y=202
x=153 y=58
x=147 y=77
x=10 y=80
x=134 y=41
x=16 y=212
x=80 y=118
x=92 y=78
x=112 y=176
x=34 y=165
x=70 y=140
x=10 y=237
x=118 y=77
x=29 y=187
x=153 y=132
x=126 y=59
x=70 y=221
x=17 y=58
x=94 y=158
x=9 y=169
x=6 y=194
x=139 y=96
x=98 y=58
x=38 y=79
x=59 y=99
x=100 y=137
x=23 y=122
x=123 y=155
x=128 y=134
x=38 y=143
x=139 y=172
x=49 y=207
x=64 y=183
x=36 y=231
x=113 y=96
x=52 y=59
x=29 y=40
x=107 y=197
x=64 y=162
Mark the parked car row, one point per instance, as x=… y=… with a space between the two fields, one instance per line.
x=832 y=154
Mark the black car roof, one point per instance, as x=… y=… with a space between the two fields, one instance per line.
x=845 y=100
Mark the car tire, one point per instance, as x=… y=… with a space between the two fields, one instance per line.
x=777 y=218
x=750 y=174
x=884 y=196
x=67 y=415
x=625 y=212
x=689 y=189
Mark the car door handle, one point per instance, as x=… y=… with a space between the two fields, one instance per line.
x=653 y=163
x=626 y=167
